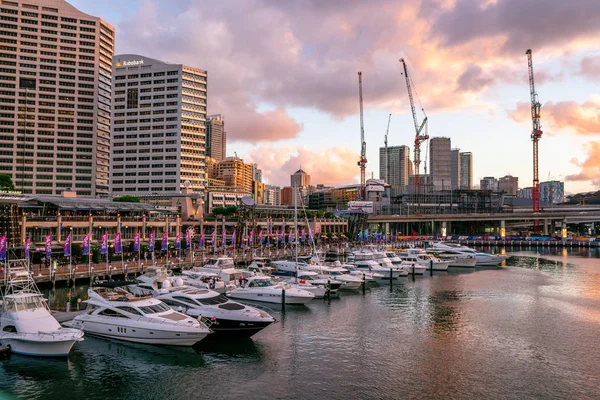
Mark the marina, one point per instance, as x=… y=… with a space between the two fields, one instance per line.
x=526 y=327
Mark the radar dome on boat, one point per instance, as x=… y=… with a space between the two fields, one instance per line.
x=178 y=282
x=166 y=284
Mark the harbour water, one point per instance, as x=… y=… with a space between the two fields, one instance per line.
x=528 y=330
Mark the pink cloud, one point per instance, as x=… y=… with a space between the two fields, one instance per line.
x=590 y=167
x=330 y=166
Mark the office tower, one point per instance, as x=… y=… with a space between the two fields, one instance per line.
x=236 y=174
x=466 y=170
x=552 y=192
x=301 y=180
x=455 y=168
x=216 y=137
x=57 y=76
x=508 y=184
x=489 y=183
x=439 y=163
x=159 y=117
x=256 y=172
x=398 y=158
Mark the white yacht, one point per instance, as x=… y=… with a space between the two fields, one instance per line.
x=393 y=257
x=349 y=282
x=483 y=259
x=157 y=278
x=413 y=267
x=303 y=282
x=224 y=267
x=26 y=324
x=456 y=259
x=364 y=261
x=367 y=276
x=227 y=317
x=380 y=256
x=285 y=268
x=263 y=289
x=426 y=260
x=115 y=313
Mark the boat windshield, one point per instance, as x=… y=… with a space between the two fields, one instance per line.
x=30 y=302
x=261 y=283
x=155 y=308
x=211 y=301
x=363 y=257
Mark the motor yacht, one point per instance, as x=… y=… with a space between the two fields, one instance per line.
x=227 y=317
x=225 y=269
x=364 y=261
x=292 y=269
x=367 y=276
x=456 y=259
x=483 y=259
x=426 y=260
x=26 y=324
x=263 y=289
x=116 y=313
x=304 y=281
x=349 y=282
x=393 y=257
x=412 y=267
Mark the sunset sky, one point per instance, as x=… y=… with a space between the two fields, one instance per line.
x=284 y=75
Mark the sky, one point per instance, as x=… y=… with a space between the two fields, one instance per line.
x=284 y=76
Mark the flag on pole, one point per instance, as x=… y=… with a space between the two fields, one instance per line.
x=214 y=237
x=164 y=242
x=276 y=236
x=49 y=246
x=151 y=242
x=303 y=235
x=3 y=247
x=136 y=242
x=260 y=237
x=178 y=241
x=86 y=245
x=27 y=246
x=104 y=244
x=243 y=239
x=283 y=236
x=224 y=238
x=233 y=239
x=188 y=240
x=118 y=244
x=251 y=240
x=290 y=237
x=202 y=239
x=67 y=247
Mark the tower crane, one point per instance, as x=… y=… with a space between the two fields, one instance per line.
x=536 y=135
x=387 y=156
x=362 y=162
x=420 y=129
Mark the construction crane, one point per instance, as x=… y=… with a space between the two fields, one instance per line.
x=420 y=129
x=362 y=162
x=536 y=135
x=387 y=156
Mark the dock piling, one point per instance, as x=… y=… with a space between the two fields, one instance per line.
x=364 y=283
x=430 y=267
x=283 y=299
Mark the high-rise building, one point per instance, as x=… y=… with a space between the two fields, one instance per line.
x=439 y=163
x=455 y=168
x=508 y=184
x=466 y=170
x=398 y=158
x=552 y=192
x=158 y=127
x=236 y=174
x=273 y=195
x=286 y=196
x=216 y=137
x=489 y=183
x=256 y=172
x=57 y=76
x=301 y=180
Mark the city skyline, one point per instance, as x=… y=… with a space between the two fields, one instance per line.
x=291 y=98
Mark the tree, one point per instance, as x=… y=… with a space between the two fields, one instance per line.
x=329 y=214
x=127 y=199
x=6 y=182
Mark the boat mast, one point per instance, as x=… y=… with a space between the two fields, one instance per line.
x=295 y=188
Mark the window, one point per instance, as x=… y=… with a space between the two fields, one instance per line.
x=132 y=98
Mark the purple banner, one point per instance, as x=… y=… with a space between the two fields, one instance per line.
x=233 y=239
x=28 y=247
x=188 y=240
x=213 y=238
x=151 y=242
x=251 y=240
x=104 y=244
x=260 y=236
x=276 y=236
x=3 y=247
x=283 y=236
x=67 y=247
x=290 y=237
x=136 y=242
x=178 y=241
x=202 y=239
x=118 y=244
x=164 y=242
x=86 y=245
x=49 y=246
x=224 y=239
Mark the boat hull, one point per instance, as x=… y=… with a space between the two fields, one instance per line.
x=38 y=348
x=234 y=328
x=269 y=298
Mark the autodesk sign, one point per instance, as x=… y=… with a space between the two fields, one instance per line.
x=128 y=63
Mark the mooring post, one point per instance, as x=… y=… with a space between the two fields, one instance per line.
x=391 y=278
x=364 y=283
x=430 y=267
x=413 y=271
x=283 y=299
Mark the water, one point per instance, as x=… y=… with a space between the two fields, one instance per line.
x=525 y=331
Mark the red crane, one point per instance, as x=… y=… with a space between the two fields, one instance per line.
x=362 y=162
x=420 y=129
x=536 y=135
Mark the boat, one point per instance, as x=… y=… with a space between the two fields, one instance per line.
x=426 y=260
x=455 y=258
x=364 y=261
x=413 y=268
x=115 y=313
x=158 y=277
x=26 y=324
x=304 y=281
x=227 y=317
x=367 y=276
x=263 y=289
x=225 y=269
x=483 y=259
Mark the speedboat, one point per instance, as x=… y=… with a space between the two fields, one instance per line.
x=426 y=260
x=263 y=289
x=116 y=313
x=27 y=326
x=456 y=259
x=227 y=317
x=483 y=259
x=303 y=281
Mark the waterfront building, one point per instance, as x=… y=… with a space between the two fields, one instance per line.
x=525 y=193
x=273 y=195
x=286 y=196
x=256 y=172
x=398 y=158
x=235 y=173
x=158 y=127
x=301 y=180
x=57 y=76
x=455 y=169
x=552 y=192
x=440 y=163
x=508 y=184
x=216 y=137
x=259 y=192
x=466 y=170
x=489 y=183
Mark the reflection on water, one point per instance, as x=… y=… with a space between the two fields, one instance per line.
x=528 y=330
